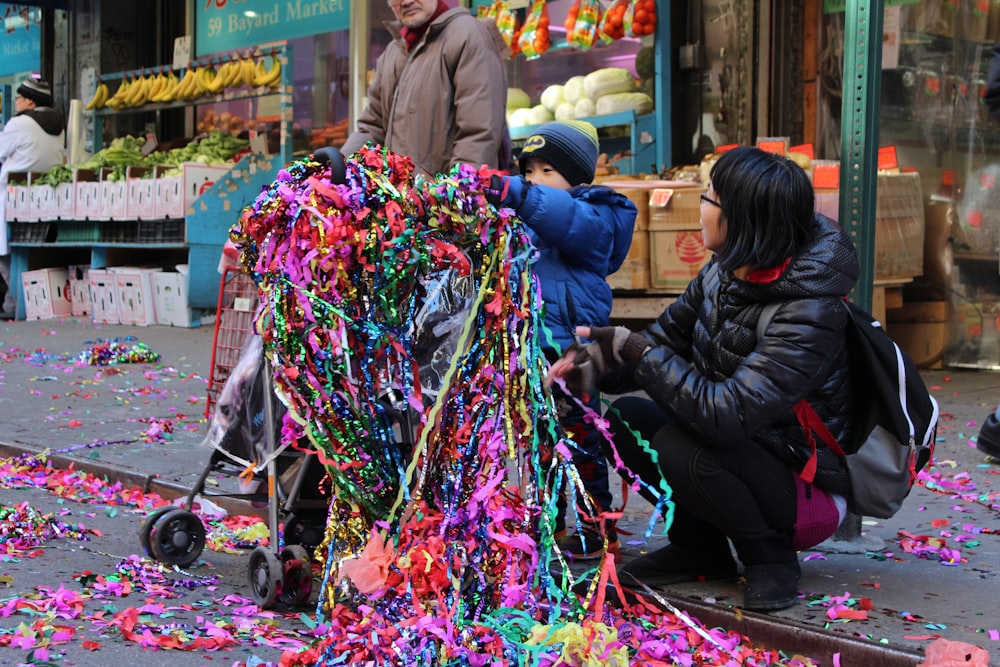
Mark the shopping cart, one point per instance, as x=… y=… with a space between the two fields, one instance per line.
x=233 y=326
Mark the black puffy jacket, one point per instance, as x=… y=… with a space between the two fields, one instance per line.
x=708 y=368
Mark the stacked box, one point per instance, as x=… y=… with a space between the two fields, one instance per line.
x=46 y=293
x=114 y=197
x=140 y=195
x=676 y=250
x=19 y=198
x=920 y=328
x=88 y=195
x=170 y=292
x=634 y=271
x=135 y=296
x=175 y=194
x=103 y=301
x=899 y=224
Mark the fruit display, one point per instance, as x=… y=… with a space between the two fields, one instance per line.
x=165 y=86
x=608 y=90
x=329 y=135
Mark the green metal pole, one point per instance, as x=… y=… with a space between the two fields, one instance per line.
x=859 y=135
x=859 y=157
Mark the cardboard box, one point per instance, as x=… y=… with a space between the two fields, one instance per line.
x=919 y=311
x=87 y=184
x=140 y=196
x=899 y=224
x=19 y=198
x=46 y=293
x=634 y=271
x=65 y=204
x=638 y=191
x=43 y=202
x=114 y=197
x=134 y=292
x=675 y=208
x=175 y=194
x=675 y=257
x=170 y=293
x=925 y=342
x=103 y=300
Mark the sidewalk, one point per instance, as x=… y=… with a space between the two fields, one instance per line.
x=930 y=571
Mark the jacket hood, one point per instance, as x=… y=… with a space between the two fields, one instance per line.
x=826 y=267
x=47 y=118
x=437 y=25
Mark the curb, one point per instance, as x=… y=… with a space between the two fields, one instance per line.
x=789 y=636
x=129 y=477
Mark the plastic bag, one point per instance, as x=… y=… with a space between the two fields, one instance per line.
x=639 y=18
x=613 y=25
x=506 y=21
x=947 y=653
x=585 y=26
x=534 y=39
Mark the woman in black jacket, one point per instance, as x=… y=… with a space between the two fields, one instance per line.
x=721 y=415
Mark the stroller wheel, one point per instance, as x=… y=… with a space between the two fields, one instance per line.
x=296 y=582
x=177 y=538
x=147 y=527
x=264 y=575
x=300 y=531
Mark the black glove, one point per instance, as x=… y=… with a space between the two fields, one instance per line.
x=496 y=191
x=333 y=157
x=618 y=345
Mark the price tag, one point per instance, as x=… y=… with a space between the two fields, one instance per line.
x=258 y=142
x=660 y=197
x=776 y=147
x=887 y=158
x=987 y=181
x=150 y=145
x=728 y=147
x=182 y=51
x=804 y=149
x=826 y=176
x=975 y=218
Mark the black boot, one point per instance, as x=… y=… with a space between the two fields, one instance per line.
x=988 y=441
x=771 y=586
x=673 y=564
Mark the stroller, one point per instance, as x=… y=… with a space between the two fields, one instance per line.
x=244 y=436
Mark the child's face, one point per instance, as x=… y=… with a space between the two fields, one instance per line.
x=540 y=172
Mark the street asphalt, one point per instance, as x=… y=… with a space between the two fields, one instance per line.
x=880 y=597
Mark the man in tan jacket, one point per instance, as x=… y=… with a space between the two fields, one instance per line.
x=440 y=90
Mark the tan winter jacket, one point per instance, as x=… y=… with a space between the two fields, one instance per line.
x=446 y=103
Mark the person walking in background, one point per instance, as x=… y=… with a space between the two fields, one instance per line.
x=439 y=94
x=32 y=140
x=720 y=413
x=583 y=234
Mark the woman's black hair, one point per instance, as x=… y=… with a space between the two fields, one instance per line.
x=768 y=204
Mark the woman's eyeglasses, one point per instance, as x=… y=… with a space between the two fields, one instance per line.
x=708 y=200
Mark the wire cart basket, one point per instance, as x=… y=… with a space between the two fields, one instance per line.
x=233 y=326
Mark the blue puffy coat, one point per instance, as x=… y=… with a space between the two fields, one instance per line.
x=583 y=235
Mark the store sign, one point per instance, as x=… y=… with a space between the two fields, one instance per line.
x=20 y=40
x=225 y=25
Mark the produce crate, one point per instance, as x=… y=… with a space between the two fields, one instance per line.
x=161 y=231
x=72 y=231
x=119 y=231
x=29 y=232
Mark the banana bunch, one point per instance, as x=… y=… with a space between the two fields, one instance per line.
x=268 y=78
x=100 y=97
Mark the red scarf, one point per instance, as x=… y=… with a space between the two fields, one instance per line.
x=412 y=35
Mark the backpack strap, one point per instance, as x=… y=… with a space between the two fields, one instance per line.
x=804 y=412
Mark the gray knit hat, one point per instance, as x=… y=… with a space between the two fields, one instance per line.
x=36 y=90
x=570 y=146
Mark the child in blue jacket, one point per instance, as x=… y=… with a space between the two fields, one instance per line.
x=583 y=234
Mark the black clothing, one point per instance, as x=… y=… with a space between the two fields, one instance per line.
x=47 y=118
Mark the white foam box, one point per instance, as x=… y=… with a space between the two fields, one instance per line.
x=19 y=197
x=171 y=292
x=43 y=201
x=65 y=204
x=134 y=292
x=103 y=300
x=46 y=293
x=175 y=194
x=114 y=196
x=140 y=194
x=87 y=187
x=79 y=295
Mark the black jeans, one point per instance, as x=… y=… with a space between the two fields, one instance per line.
x=736 y=490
